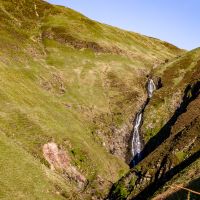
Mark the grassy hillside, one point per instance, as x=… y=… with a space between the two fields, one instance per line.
x=72 y=81
x=171 y=136
x=23 y=176
x=175 y=76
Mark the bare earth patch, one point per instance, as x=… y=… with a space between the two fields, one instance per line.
x=60 y=161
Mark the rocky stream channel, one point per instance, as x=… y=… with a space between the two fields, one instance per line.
x=137 y=143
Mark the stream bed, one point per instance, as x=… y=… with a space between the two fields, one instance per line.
x=137 y=143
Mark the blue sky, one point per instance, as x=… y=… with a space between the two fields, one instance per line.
x=175 y=21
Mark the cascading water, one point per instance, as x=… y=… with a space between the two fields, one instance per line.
x=136 y=140
x=150 y=88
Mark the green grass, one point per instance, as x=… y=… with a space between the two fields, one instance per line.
x=121 y=192
x=176 y=75
x=181 y=156
x=22 y=176
x=54 y=90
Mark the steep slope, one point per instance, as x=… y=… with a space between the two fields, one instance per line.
x=171 y=135
x=23 y=177
x=69 y=89
x=175 y=76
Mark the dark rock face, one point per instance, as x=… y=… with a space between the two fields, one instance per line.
x=158 y=82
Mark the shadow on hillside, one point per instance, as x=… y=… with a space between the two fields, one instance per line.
x=190 y=93
x=182 y=194
x=159 y=182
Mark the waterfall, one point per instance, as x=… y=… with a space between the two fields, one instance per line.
x=150 y=88
x=136 y=140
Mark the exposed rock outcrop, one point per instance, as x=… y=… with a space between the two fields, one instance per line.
x=59 y=160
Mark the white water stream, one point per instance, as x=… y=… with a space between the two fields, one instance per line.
x=150 y=88
x=136 y=141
